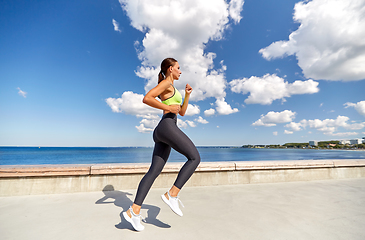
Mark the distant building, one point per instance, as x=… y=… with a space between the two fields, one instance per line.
x=344 y=142
x=313 y=143
x=356 y=141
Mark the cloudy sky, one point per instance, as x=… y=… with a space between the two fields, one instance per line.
x=73 y=73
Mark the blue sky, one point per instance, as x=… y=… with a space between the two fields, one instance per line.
x=73 y=73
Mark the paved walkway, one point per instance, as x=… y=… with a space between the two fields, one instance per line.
x=331 y=209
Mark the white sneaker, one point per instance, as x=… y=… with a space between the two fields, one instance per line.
x=135 y=220
x=173 y=203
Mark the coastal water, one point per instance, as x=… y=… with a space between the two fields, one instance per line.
x=93 y=155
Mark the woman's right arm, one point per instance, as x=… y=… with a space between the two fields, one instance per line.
x=150 y=98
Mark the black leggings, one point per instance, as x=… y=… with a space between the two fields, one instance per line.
x=166 y=136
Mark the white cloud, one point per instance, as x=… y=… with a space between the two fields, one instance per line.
x=185 y=124
x=223 y=108
x=294 y=126
x=116 y=26
x=209 y=112
x=275 y=133
x=131 y=103
x=147 y=125
x=264 y=90
x=328 y=126
x=181 y=123
x=235 y=9
x=201 y=120
x=192 y=110
x=22 y=93
x=288 y=132
x=329 y=41
x=273 y=118
x=359 y=106
x=261 y=123
x=191 y=123
x=344 y=134
x=181 y=29
x=141 y=128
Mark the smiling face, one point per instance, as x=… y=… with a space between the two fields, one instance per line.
x=175 y=71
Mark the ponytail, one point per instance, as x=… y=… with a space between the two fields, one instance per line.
x=161 y=76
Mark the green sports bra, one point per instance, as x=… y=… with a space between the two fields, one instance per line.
x=175 y=99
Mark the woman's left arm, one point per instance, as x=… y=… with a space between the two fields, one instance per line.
x=184 y=106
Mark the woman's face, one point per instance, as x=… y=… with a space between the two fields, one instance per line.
x=176 y=71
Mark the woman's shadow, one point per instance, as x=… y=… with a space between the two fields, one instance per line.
x=120 y=199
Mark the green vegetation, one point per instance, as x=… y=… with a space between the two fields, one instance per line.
x=324 y=144
x=296 y=145
x=360 y=146
x=275 y=146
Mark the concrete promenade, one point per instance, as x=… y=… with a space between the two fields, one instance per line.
x=321 y=209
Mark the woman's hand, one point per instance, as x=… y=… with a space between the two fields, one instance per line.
x=184 y=107
x=188 y=89
x=174 y=108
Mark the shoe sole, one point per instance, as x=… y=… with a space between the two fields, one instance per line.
x=126 y=217
x=168 y=204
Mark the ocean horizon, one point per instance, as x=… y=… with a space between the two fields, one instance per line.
x=11 y=155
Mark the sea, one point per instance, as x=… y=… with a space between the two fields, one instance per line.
x=105 y=155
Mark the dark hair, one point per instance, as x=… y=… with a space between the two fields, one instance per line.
x=165 y=64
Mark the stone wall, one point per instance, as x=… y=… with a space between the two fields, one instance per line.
x=53 y=179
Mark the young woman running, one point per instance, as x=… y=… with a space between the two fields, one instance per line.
x=166 y=136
